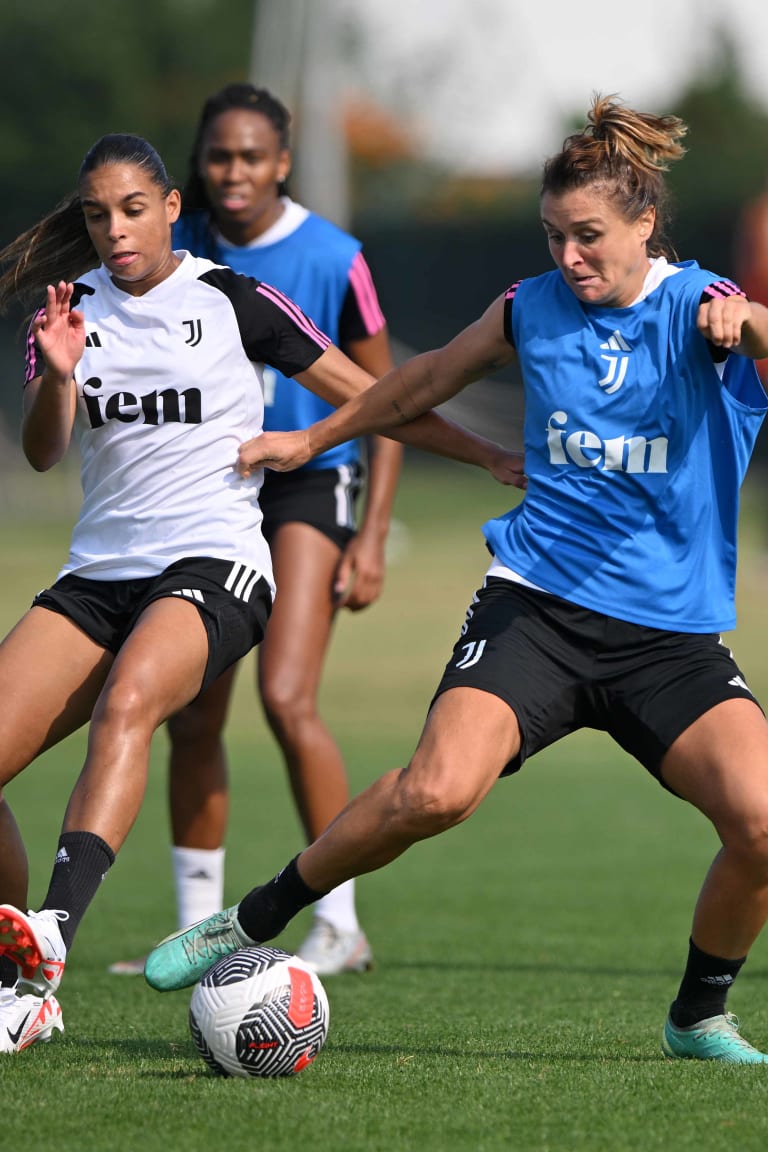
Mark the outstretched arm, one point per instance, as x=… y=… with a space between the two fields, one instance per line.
x=49 y=399
x=736 y=323
x=399 y=405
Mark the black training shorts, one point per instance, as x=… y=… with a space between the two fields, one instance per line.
x=561 y=667
x=234 y=603
x=324 y=498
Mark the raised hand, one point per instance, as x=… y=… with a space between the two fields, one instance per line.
x=721 y=319
x=60 y=331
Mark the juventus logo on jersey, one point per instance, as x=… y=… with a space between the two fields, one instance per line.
x=617 y=364
x=92 y=340
x=195 y=332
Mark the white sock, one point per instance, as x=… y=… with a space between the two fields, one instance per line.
x=198 y=875
x=338 y=907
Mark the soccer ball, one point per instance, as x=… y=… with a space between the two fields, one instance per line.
x=259 y=1012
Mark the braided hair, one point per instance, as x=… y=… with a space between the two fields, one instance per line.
x=194 y=197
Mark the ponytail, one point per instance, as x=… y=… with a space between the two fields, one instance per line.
x=627 y=152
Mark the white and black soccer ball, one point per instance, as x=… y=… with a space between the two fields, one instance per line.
x=259 y=1012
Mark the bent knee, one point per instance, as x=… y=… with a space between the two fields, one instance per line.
x=748 y=839
x=123 y=705
x=435 y=802
x=287 y=703
x=196 y=724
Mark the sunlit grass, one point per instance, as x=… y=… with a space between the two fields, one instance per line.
x=525 y=960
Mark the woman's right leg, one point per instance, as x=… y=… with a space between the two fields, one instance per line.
x=198 y=799
x=197 y=782
x=50 y=676
x=198 y=795
x=291 y=659
x=290 y=664
x=160 y=667
x=469 y=738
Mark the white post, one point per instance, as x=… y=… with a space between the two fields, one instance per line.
x=296 y=54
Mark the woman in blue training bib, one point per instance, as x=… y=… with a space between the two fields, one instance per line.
x=611 y=580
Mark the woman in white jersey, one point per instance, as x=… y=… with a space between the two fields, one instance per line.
x=158 y=374
x=612 y=579
x=235 y=211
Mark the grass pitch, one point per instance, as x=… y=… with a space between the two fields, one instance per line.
x=525 y=960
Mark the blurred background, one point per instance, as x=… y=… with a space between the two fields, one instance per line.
x=420 y=125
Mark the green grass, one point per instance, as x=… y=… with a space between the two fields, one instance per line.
x=525 y=960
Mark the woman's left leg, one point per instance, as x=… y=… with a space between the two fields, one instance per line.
x=158 y=670
x=720 y=765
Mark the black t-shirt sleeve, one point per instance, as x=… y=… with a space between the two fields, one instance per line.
x=34 y=364
x=352 y=326
x=34 y=361
x=273 y=329
x=361 y=316
x=508 y=300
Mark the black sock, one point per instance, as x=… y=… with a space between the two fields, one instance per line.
x=265 y=911
x=9 y=973
x=81 y=864
x=704 y=987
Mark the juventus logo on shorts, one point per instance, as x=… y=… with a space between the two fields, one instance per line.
x=195 y=332
x=472 y=653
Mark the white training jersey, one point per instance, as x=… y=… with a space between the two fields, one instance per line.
x=169 y=386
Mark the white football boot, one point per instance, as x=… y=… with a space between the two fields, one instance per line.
x=26 y=1019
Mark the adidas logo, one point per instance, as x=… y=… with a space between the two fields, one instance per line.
x=616 y=343
x=738 y=682
x=190 y=594
x=201 y=874
x=62 y=856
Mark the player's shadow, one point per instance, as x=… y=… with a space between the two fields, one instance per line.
x=111 y=1052
x=476 y=1055
x=544 y=968
x=136 y=1050
x=521 y=967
